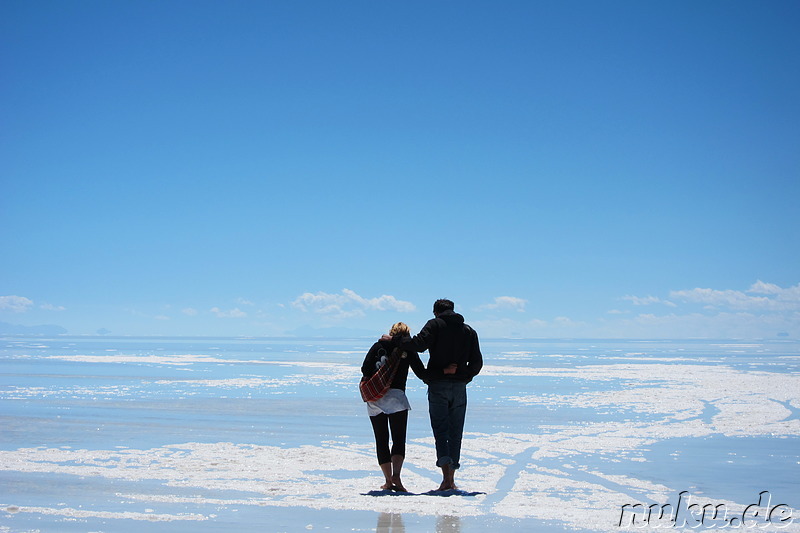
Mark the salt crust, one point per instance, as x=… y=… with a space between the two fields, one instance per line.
x=187 y=359
x=254 y=383
x=745 y=403
x=84 y=513
x=549 y=480
x=329 y=374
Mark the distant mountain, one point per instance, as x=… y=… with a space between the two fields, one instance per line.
x=16 y=329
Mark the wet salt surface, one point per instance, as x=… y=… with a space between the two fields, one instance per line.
x=104 y=434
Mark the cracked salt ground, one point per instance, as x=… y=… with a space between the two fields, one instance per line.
x=553 y=446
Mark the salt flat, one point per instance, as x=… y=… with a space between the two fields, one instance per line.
x=104 y=434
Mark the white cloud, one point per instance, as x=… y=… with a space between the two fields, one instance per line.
x=789 y=296
x=759 y=287
x=535 y=327
x=231 y=313
x=15 y=304
x=772 y=298
x=506 y=302
x=349 y=304
x=647 y=300
x=763 y=310
x=719 y=298
x=244 y=301
x=189 y=311
x=20 y=304
x=721 y=325
x=564 y=321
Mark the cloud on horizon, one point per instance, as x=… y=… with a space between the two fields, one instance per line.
x=15 y=304
x=231 y=313
x=505 y=303
x=759 y=297
x=349 y=304
x=648 y=300
x=21 y=304
x=764 y=310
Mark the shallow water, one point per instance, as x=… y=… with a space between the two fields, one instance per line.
x=103 y=434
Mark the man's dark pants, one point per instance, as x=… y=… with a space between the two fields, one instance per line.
x=447 y=406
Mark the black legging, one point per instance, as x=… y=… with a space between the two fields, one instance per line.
x=380 y=426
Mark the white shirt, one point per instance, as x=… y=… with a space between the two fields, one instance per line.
x=393 y=401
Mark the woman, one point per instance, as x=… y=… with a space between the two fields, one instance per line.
x=391 y=411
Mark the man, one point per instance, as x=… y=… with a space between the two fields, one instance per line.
x=455 y=358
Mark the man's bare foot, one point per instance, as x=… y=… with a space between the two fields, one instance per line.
x=387 y=486
x=448 y=478
x=447 y=485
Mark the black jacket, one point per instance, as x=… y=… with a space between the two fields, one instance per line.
x=448 y=340
x=384 y=348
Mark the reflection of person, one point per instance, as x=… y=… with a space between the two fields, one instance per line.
x=455 y=358
x=448 y=524
x=390 y=523
x=391 y=411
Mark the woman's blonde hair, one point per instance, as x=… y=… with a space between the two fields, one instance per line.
x=400 y=329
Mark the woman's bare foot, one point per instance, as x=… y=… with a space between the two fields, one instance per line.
x=397 y=484
x=386 y=468
x=397 y=466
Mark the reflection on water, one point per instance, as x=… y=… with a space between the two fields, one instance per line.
x=448 y=524
x=390 y=523
x=393 y=523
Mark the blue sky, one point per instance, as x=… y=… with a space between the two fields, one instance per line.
x=576 y=168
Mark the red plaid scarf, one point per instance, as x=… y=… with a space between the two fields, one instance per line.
x=374 y=387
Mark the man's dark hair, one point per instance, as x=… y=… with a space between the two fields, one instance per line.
x=440 y=306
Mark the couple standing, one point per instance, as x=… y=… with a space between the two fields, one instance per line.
x=455 y=358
